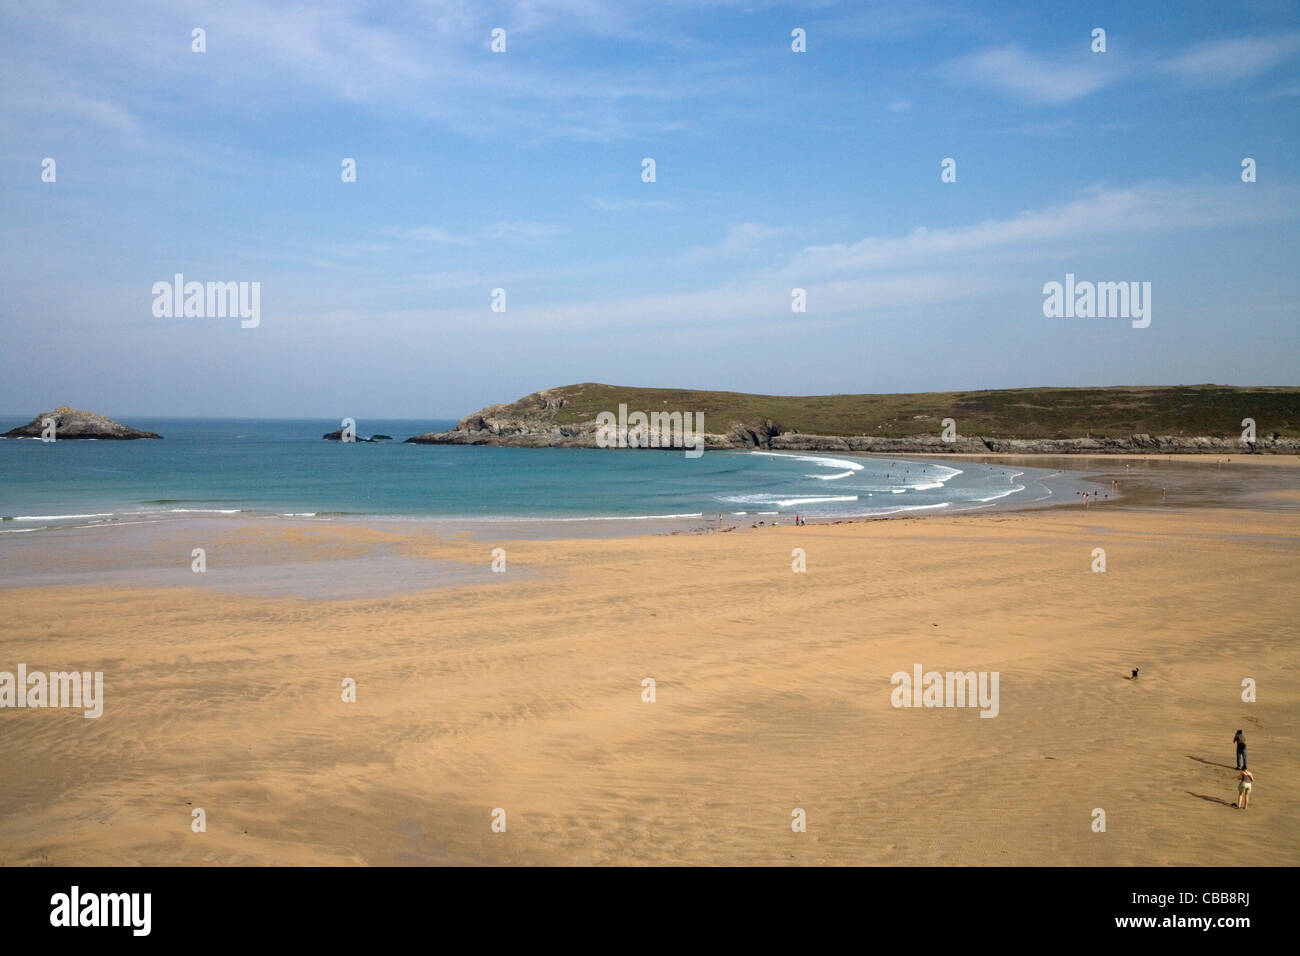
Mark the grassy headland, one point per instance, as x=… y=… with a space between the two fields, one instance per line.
x=1181 y=410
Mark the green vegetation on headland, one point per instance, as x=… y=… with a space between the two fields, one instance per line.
x=1160 y=419
x=1118 y=412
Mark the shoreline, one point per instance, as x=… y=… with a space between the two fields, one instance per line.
x=1207 y=458
x=1089 y=472
x=351 y=557
x=1046 y=487
x=1085 y=472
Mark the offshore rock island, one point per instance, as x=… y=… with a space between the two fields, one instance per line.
x=72 y=423
x=1195 y=419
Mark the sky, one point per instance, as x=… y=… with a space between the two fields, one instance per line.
x=522 y=170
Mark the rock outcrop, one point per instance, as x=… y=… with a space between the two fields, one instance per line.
x=338 y=436
x=72 y=423
x=531 y=423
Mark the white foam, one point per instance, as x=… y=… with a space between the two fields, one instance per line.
x=105 y=514
x=819 y=499
x=890 y=511
x=824 y=462
x=1003 y=494
x=786 y=502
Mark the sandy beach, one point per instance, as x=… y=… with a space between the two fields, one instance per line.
x=523 y=690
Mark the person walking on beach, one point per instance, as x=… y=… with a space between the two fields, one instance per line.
x=1239 y=738
x=1244 y=780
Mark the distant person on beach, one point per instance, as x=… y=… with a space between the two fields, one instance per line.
x=1239 y=738
x=1244 y=780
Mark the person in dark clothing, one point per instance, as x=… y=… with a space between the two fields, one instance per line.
x=1239 y=738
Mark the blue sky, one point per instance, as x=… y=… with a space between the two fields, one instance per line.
x=522 y=170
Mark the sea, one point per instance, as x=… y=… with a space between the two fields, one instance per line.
x=284 y=467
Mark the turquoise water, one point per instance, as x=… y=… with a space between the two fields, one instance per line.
x=283 y=467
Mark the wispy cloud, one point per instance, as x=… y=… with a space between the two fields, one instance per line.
x=877 y=272
x=505 y=231
x=1097 y=213
x=1060 y=77
x=48 y=96
x=521 y=230
x=627 y=205
x=431 y=62
x=740 y=239
x=1068 y=75
x=434 y=234
x=1233 y=59
x=880 y=275
x=747 y=304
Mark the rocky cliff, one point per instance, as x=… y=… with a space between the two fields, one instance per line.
x=74 y=423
